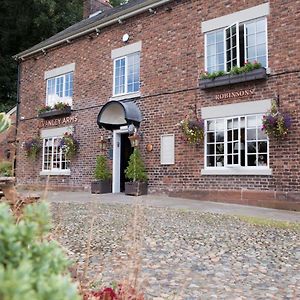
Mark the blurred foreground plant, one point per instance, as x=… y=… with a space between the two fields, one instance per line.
x=31 y=267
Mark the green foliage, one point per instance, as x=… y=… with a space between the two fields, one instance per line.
x=249 y=66
x=61 y=105
x=5 y=122
x=115 y=3
x=31 y=267
x=136 y=170
x=25 y=23
x=5 y=169
x=102 y=171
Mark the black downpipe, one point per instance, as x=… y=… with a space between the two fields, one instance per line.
x=17 y=116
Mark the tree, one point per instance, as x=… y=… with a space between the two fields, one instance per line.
x=136 y=170
x=25 y=23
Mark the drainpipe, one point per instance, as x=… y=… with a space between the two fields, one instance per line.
x=17 y=115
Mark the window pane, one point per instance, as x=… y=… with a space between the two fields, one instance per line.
x=133 y=72
x=261 y=25
x=251 y=134
x=210 y=125
x=261 y=50
x=262 y=160
x=215 y=51
x=220 y=148
x=210 y=161
x=262 y=147
x=211 y=50
x=220 y=136
x=210 y=137
x=251 y=40
x=211 y=149
x=251 y=121
x=251 y=160
x=119 y=76
x=251 y=147
x=220 y=161
x=211 y=38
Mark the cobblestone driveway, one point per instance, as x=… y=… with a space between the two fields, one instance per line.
x=186 y=253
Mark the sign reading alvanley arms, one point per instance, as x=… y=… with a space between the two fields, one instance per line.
x=58 y=122
x=235 y=94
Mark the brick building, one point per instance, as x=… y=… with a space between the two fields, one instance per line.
x=140 y=64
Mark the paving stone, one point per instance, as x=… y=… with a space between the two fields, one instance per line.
x=182 y=255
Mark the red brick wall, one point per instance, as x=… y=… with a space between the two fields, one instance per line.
x=172 y=58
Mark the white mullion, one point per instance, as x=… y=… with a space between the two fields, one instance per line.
x=114 y=77
x=238 y=44
x=47 y=93
x=205 y=52
x=43 y=160
x=245 y=43
x=246 y=141
x=126 y=75
x=52 y=153
x=267 y=56
x=215 y=142
x=225 y=142
x=60 y=158
x=239 y=141
x=225 y=52
x=205 y=143
x=64 y=86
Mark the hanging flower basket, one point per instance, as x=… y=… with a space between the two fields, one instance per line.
x=192 y=129
x=33 y=148
x=69 y=145
x=275 y=123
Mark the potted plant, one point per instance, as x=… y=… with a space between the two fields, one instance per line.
x=33 y=147
x=103 y=175
x=69 y=145
x=192 y=129
x=59 y=109
x=275 y=123
x=137 y=175
x=250 y=71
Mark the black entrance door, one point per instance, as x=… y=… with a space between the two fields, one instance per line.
x=126 y=151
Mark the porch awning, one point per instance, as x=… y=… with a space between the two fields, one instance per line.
x=115 y=114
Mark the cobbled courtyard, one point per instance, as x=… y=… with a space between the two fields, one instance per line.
x=180 y=253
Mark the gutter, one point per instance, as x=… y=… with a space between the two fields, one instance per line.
x=17 y=116
x=116 y=18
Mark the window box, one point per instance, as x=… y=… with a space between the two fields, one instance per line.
x=55 y=112
x=230 y=79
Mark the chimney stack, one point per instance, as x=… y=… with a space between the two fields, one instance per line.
x=92 y=6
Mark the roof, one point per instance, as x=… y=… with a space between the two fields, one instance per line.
x=86 y=26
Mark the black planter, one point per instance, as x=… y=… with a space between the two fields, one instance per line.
x=101 y=187
x=136 y=188
x=233 y=79
x=55 y=112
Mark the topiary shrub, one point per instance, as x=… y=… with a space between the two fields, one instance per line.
x=102 y=171
x=31 y=266
x=136 y=170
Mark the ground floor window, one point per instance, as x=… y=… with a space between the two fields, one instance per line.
x=236 y=142
x=54 y=158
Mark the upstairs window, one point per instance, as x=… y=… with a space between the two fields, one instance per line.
x=234 y=45
x=127 y=74
x=60 y=89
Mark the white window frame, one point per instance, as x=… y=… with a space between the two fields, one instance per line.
x=238 y=48
x=231 y=169
x=125 y=75
x=67 y=100
x=53 y=171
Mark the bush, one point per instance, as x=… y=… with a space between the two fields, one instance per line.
x=5 y=122
x=31 y=267
x=136 y=170
x=102 y=171
x=6 y=169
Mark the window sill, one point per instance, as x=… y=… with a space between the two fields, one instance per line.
x=233 y=79
x=56 y=173
x=126 y=96
x=237 y=171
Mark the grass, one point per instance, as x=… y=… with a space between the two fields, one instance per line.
x=270 y=223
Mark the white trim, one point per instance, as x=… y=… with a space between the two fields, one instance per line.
x=126 y=96
x=116 y=159
x=56 y=173
x=59 y=71
x=231 y=110
x=254 y=12
x=54 y=132
x=126 y=50
x=237 y=171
